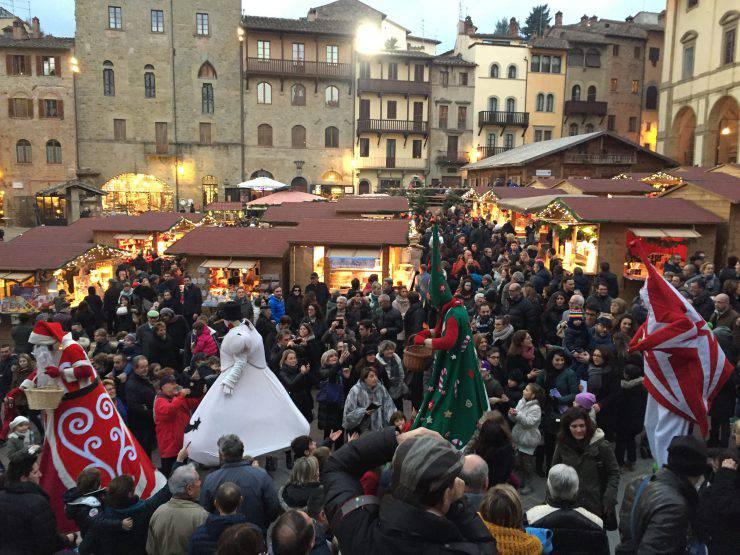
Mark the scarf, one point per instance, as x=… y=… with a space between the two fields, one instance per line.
x=596 y=376
x=528 y=354
x=503 y=334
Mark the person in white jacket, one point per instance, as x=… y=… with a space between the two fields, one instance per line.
x=526 y=432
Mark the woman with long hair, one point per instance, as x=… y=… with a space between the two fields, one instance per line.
x=552 y=317
x=495 y=446
x=303 y=482
x=524 y=358
x=314 y=317
x=331 y=391
x=297 y=380
x=604 y=381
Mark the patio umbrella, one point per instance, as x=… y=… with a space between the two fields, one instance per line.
x=262 y=184
x=283 y=197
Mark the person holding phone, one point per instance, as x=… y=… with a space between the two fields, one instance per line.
x=369 y=406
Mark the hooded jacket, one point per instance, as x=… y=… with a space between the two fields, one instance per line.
x=206 y=536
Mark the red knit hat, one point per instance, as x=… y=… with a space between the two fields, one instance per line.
x=46 y=333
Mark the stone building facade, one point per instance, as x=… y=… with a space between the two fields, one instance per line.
x=545 y=88
x=159 y=94
x=37 y=118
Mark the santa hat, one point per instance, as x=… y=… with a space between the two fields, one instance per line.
x=46 y=333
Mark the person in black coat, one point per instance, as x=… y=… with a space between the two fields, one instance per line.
x=522 y=313
x=494 y=445
x=95 y=303
x=192 y=298
x=524 y=359
x=163 y=350
x=294 y=305
x=178 y=328
x=298 y=382
x=319 y=289
x=631 y=410
x=610 y=279
x=110 y=302
x=27 y=522
x=389 y=321
x=227 y=502
x=605 y=382
x=140 y=394
x=84 y=316
x=701 y=300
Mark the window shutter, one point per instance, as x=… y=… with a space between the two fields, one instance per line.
x=11 y=108
x=30 y=107
x=28 y=65
x=57 y=66
x=60 y=109
x=39 y=65
x=42 y=113
x=8 y=64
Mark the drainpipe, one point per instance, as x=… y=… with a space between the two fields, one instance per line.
x=174 y=106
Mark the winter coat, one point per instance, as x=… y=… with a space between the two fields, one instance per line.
x=602 y=303
x=295 y=496
x=605 y=383
x=663 y=518
x=83 y=509
x=172 y=526
x=140 y=396
x=523 y=315
x=205 y=538
x=164 y=352
x=330 y=414
x=193 y=301
x=359 y=399
x=171 y=417
x=394 y=375
x=299 y=388
x=566 y=382
x=393 y=526
x=27 y=523
x=391 y=321
x=518 y=365
x=630 y=408
x=514 y=540
x=526 y=431
x=722 y=508
x=413 y=320
x=294 y=308
x=277 y=307
x=205 y=343
x=598 y=472
x=576 y=339
x=501 y=461
x=178 y=329
x=550 y=321
x=16 y=442
x=575 y=530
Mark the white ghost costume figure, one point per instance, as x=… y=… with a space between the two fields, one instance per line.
x=247 y=399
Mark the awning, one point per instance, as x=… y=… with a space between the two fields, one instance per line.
x=242 y=264
x=229 y=264
x=354 y=253
x=15 y=276
x=653 y=232
x=133 y=236
x=215 y=263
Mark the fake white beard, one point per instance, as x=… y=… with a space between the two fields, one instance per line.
x=44 y=359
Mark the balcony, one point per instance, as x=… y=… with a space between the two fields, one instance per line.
x=390 y=162
x=394 y=86
x=161 y=150
x=585 y=108
x=452 y=158
x=486 y=151
x=259 y=66
x=505 y=119
x=392 y=126
x=606 y=159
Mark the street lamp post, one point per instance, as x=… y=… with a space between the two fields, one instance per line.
x=74 y=66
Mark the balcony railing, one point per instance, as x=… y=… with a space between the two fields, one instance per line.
x=451 y=158
x=292 y=67
x=390 y=162
x=600 y=159
x=393 y=86
x=486 y=151
x=504 y=118
x=392 y=126
x=585 y=108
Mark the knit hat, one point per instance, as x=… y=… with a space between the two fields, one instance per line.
x=487 y=277
x=586 y=400
x=164 y=380
x=422 y=465
x=17 y=421
x=46 y=333
x=604 y=321
x=687 y=456
x=439 y=291
x=131 y=337
x=576 y=314
x=152 y=314
x=167 y=312
x=370 y=349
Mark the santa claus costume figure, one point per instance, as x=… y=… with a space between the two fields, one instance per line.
x=85 y=430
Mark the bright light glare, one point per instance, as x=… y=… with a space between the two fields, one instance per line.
x=369 y=39
x=726 y=131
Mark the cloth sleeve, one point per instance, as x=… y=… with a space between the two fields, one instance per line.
x=449 y=338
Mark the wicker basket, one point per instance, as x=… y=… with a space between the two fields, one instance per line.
x=44 y=397
x=417 y=358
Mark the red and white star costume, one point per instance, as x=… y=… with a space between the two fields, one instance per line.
x=85 y=430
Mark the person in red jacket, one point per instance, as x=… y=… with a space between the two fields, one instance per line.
x=172 y=409
x=203 y=341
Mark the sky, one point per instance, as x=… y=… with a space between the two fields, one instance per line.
x=431 y=18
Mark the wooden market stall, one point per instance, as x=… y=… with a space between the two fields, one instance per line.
x=589 y=230
x=492 y=206
x=225 y=213
x=342 y=249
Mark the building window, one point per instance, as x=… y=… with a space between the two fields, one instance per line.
x=611 y=122
x=593 y=58
x=391 y=111
x=545 y=64
x=575 y=57
x=615 y=50
x=51 y=108
x=332 y=54
x=728 y=46
x=443 y=111
x=550 y=103
x=632 y=125
x=119 y=129
x=419 y=73
x=53 y=152
x=416 y=149
x=510 y=105
x=331 y=137
x=208 y=104
x=23 y=152
x=509 y=141
x=613 y=84
x=575 y=92
x=264 y=93
x=202 y=26
x=364 y=148
x=444 y=78
x=207 y=71
x=18 y=64
x=332 y=96
x=115 y=17
x=492 y=104
x=591 y=94
x=160 y=137
x=638 y=52
x=205 y=133
x=691 y=4
x=109 y=79
x=548 y=134
x=150 y=85
x=49 y=66
x=462 y=117
x=298 y=136
x=264 y=135
x=299 y=52
x=589 y=128
x=364 y=70
x=463 y=78
x=540 y=104
x=537 y=135
x=654 y=55
x=157 y=21
x=511 y=72
x=21 y=108
x=573 y=129
x=393 y=71
x=494 y=71
x=491 y=140
x=556 y=64
x=263 y=49
x=688 y=62
x=535 y=63
x=298 y=95
x=635 y=88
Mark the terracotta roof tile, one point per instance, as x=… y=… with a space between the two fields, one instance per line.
x=292 y=213
x=39 y=255
x=351 y=232
x=639 y=210
x=372 y=204
x=523 y=192
x=605 y=186
x=236 y=242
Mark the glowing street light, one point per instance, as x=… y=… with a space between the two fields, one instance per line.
x=240 y=34
x=368 y=39
x=725 y=131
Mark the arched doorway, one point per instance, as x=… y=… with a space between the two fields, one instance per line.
x=299 y=184
x=720 y=142
x=682 y=137
x=261 y=173
x=210 y=190
x=364 y=188
x=136 y=193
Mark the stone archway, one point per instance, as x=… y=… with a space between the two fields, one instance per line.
x=682 y=137
x=136 y=193
x=721 y=139
x=364 y=188
x=299 y=184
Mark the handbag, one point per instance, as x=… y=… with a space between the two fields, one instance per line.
x=545 y=537
x=330 y=392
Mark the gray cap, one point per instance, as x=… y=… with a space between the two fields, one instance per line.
x=518 y=277
x=422 y=465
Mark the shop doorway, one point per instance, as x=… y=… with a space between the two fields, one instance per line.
x=136 y=193
x=299 y=184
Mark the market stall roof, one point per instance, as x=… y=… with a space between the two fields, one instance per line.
x=62 y=188
x=632 y=210
x=292 y=214
x=375 y=204
x=16 y=257
x=347 y=232
x=283 y=197
x=234 y=242
x=15 y=276
x=718 y=183
x=607 y=186
x=530 y=205
x=262 y=183
x=505 y=193
x=225 y=207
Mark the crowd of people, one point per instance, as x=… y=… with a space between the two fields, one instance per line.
x=566 y=395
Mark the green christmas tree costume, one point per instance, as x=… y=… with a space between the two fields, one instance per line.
x=455 y=396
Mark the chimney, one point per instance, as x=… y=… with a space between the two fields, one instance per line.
x=18 y=31
x=312 y=15
x=593 y=19
x=468 y=27
x=36 y=27
x=629 y=19
x=584 y=20
x=513 y=28
x=559 y=19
